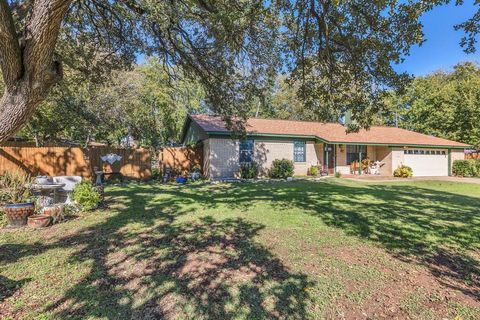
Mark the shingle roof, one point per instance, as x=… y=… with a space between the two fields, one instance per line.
x=330 y=132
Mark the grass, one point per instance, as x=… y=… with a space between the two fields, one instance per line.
x=288 y=250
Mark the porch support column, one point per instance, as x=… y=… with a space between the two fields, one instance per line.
x=326 y=158
x=360 y=169
x=449 y=162
x=335 y=158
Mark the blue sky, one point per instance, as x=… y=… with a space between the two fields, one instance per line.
x=441 y=51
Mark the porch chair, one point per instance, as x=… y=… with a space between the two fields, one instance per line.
x=375 y=167
x=354 y=167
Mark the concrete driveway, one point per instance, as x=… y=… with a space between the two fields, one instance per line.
x=373 y=178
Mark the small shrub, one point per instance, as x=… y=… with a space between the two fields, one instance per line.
x=71 y=209
x=403 y=171
x=313 y=171
x=14 y=187
x=281 y=169
x=466 y=168
x=338 y=174
x=86 y=195
x=477 y=167
x=156 y=174
x=249 y=170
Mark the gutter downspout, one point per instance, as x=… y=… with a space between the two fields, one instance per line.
x=360 y=164
x=449 y=162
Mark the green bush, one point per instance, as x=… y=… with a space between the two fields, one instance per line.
x=466 y=168
x=86 y=195
x=156 y=174
x=313 y=171
x=403 y=171
x=338 y=174
x=281 y=169
x=14 y=187
x=249 y=170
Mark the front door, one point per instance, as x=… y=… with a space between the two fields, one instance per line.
x=329 y=156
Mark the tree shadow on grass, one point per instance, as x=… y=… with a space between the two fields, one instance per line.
x=206 y=268
x=439 y=230
x=146 y=261
x=8 y=286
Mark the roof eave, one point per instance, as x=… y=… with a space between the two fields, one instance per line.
x=314 y=137
x=186 y=123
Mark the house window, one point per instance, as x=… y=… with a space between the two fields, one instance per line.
x=299 y=151
x=246 y=151
x=353 y=153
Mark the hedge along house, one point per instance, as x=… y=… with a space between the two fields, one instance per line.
x=317 y=144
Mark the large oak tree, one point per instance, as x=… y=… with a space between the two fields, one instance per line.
x=339 y=53
x=228 y=45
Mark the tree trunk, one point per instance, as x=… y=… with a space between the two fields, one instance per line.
x=16 y=108
x=29 y=71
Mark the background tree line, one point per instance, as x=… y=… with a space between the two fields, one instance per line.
x=338 y=56
x=147 y=106
x=143 y=106
x=444 y=104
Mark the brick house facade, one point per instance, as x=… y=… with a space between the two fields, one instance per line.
x=317 y=144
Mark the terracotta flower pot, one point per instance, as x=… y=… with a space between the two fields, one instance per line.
x=18 y=213
x=39 y=221
x=55 y=211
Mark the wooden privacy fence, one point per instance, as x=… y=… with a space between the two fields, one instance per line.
x=473 y=155
x=59 y=161
x=181 y=159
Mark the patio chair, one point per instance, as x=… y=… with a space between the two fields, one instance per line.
x=70 y=183
x=375 y=167
x=354 y=167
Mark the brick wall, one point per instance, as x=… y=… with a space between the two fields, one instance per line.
x=206 y=157
x=319 y=147
x=457 y=154
x=372 y=152
x=341 y=161
x=384 y=154
x=268 y=150
x=223 y=158
x=397 y=158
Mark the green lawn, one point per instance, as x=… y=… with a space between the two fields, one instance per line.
x=289 y=250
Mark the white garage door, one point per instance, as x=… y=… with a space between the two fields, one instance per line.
x=427 y=162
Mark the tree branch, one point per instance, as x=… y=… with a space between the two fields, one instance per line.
x=41 y=34
x=10 y=54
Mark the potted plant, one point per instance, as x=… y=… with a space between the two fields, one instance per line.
x=39 y=221
x=15 y=197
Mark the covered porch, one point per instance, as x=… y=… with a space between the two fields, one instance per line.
x=355 y=159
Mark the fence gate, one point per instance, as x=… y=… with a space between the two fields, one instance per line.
x=181 y=159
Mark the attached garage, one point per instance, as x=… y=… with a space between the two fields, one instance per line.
x=426 y=162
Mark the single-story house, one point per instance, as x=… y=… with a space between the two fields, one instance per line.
x=317 y=144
